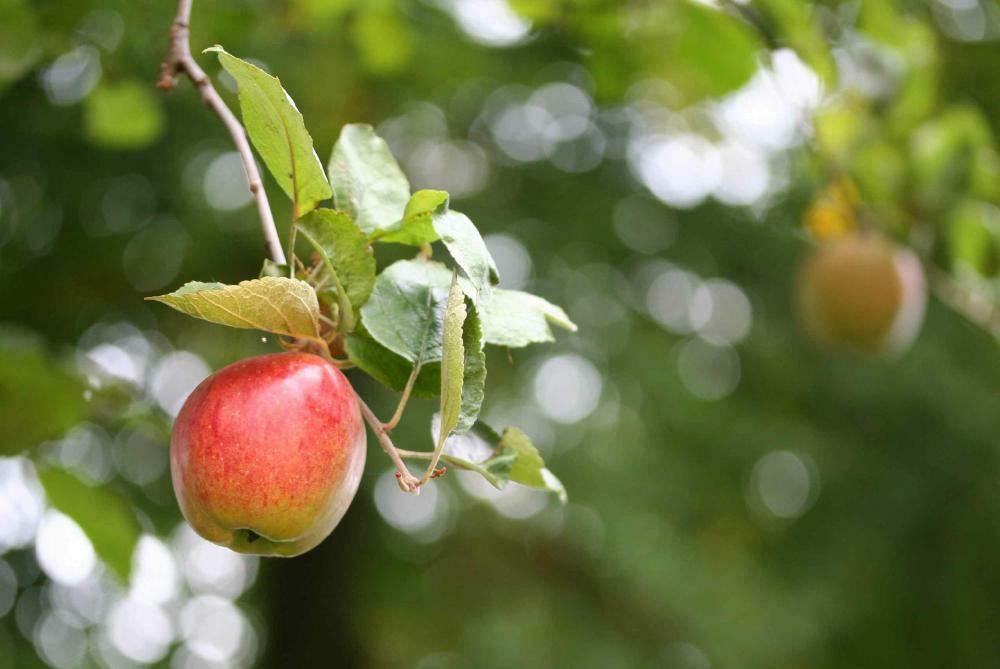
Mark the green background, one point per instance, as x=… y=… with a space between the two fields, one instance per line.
x=733 y=503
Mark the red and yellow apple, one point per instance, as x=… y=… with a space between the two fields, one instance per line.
x=267 y=454
x=863 y=293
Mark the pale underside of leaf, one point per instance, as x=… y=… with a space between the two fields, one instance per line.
x=514 y=319
x=467 y=247
x=367 y=181
x=452 y=361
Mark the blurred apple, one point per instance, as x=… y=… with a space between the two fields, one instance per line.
x=861 y=292
x=267 y=454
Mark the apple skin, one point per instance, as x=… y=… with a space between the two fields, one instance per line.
x=862 y=293
x=267 y=454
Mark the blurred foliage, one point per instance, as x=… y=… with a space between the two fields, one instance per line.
x=822 y=511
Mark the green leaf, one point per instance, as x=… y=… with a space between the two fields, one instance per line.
x=274 y=304
x=346 y=254
x=367 y=181
x=452 y=360
x=101 y=513
x=278 y=132
x=529 y=467
x=417 y=226
x=499 y=458
x=20 y=43
x=474 y=373
x=124 y=115
x=514 y=319
x=392 y=370
x=706 y=67
x=478 y=450
x=467 y=247
x=271 y=268
x=405 y=309
x=38 y=399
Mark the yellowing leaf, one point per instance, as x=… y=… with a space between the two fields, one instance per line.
x=274 y=304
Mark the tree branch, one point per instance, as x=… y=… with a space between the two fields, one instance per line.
x=179 y=61
x=407 y=481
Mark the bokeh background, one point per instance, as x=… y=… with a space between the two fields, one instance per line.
x=739 y=498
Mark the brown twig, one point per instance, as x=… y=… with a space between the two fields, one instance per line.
x=180 y=61
x=407 y=481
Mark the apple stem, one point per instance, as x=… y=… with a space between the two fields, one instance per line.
x=398 y=415
x=407 y=481
x=180 y=61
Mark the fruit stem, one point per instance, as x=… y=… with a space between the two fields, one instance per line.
x=407 y=481
x=398 y=415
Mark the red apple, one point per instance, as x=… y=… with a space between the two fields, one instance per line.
x=863 y=293
x=267 y=454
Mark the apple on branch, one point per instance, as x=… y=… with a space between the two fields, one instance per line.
x=267 y=454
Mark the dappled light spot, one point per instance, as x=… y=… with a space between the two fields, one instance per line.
x=72 y=75
x=212 y=569
x=174 y=377
x=64 y=552
x=783 y=484
x=568 y=388
x=140 y=631
x=214 y=629
x=512 y=258
x=708 y=372
x=225 y=183
x=60 y=640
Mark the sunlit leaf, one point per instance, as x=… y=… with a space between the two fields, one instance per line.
x=367 y=181
x=278 y=133
x=417 y=225
x=514 y=319
x=274 y=304
x=38 y=399
x=103 y=515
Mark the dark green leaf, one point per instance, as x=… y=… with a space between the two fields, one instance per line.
x=474 y=374
x=367 y=181
x=278 y=132
x=405 y=310
x=101 y=513
x=347 y=255
x=390 y=369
